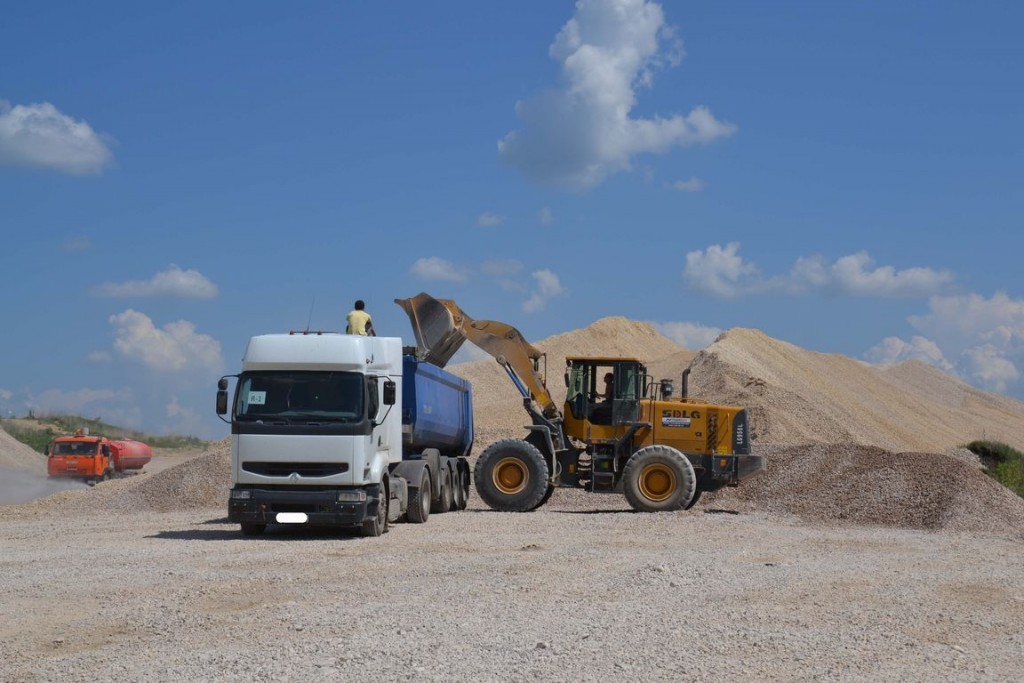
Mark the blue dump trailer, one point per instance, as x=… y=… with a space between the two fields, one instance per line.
x=318 y=436
x=437 y=410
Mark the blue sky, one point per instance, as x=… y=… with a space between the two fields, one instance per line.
x=176 y=178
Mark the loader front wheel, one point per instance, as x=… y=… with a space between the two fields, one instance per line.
x=659 y=478
x=511 y=476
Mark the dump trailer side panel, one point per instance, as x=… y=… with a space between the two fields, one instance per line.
x=437 y=410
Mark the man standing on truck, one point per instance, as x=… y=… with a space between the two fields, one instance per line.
x=359 y=321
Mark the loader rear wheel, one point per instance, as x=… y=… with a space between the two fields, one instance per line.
x=379 y=523
x=419 y=500
x=511 y=476
x=658 y=478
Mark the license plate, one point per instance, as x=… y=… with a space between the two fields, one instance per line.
x=292 y=518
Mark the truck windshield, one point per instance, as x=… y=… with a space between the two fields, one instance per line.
x=300 y=396
x=73 y=448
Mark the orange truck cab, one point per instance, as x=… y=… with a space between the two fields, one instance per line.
x=94 y=458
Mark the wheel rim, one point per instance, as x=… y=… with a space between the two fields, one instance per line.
x=657 y=482
x=510 y=476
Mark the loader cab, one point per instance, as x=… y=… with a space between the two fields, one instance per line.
x=604 y=391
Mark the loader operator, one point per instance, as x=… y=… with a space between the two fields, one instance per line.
x=359 y=321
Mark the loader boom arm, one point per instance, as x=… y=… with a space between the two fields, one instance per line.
x=441 y=327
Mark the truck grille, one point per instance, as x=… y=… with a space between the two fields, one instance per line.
x=303 y=469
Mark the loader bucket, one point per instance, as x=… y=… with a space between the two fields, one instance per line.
x=437 y=324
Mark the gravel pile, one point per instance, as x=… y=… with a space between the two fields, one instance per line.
x=866 y=485
x=14 y=455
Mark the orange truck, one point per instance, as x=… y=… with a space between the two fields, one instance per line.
x=94 y=458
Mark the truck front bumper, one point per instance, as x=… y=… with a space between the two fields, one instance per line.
x=322 y=508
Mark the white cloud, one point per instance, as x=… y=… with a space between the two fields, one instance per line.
x=722 y=271
x=893 y=350
x=173 y=282
x=181 y=419
x=853 y=275
x=174 y=348
x=692 y=336
x=977 y=338
x=545 y=216
x=76 y=245
x=548 y=286
x=436 y=268
x=990 y=368
x=6 y=394
x=694 y=184
x=488 y=219
x=40 y=136
x=579 y=134
x=99 y=357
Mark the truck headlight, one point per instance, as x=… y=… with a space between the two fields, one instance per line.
x=352 y=496
x=241 y=494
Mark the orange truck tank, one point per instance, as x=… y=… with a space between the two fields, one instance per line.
x=94 y=458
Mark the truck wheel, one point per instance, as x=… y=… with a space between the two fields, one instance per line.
x=379 y=524
x=511 y=476
x=459 y=489
x=444 y=501
x=253 y=529
x=658 y=478
x=419 y=500
x=693 y=501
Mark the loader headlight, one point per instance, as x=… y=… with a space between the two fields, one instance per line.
x=241 y=494
x=352 y=496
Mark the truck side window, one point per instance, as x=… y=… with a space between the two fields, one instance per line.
x=373 y=397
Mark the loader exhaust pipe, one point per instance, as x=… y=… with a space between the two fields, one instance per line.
x=686 y=383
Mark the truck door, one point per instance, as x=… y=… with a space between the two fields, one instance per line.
x=375 y=411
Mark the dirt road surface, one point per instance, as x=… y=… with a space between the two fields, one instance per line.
x=581 y=590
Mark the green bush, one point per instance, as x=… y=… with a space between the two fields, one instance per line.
x=57 y=425
x=1003 y=463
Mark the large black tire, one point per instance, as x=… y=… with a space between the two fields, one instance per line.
x=537 y=440
x=460 y=488
x=419 y=500
x=379 y=523
x=445 y=501
x=659 y=478
x=253 y=529
x=693 y=501
x=511 y=476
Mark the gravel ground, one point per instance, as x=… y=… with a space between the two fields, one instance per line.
x=582 y=590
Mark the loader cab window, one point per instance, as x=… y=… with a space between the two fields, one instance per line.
x=576 y=394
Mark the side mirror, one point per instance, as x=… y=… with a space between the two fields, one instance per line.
x=222 y=400
x=390 y=389
x=566 y=378
x=222 y=383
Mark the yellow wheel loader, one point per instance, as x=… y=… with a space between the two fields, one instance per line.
x=619 y=430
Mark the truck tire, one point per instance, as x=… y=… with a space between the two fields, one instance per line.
x=445 y=500
x=511 y=476
x=658 y=479
x=379 y=523
x=253 y=529
x=461 y=483
x=419 y=500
